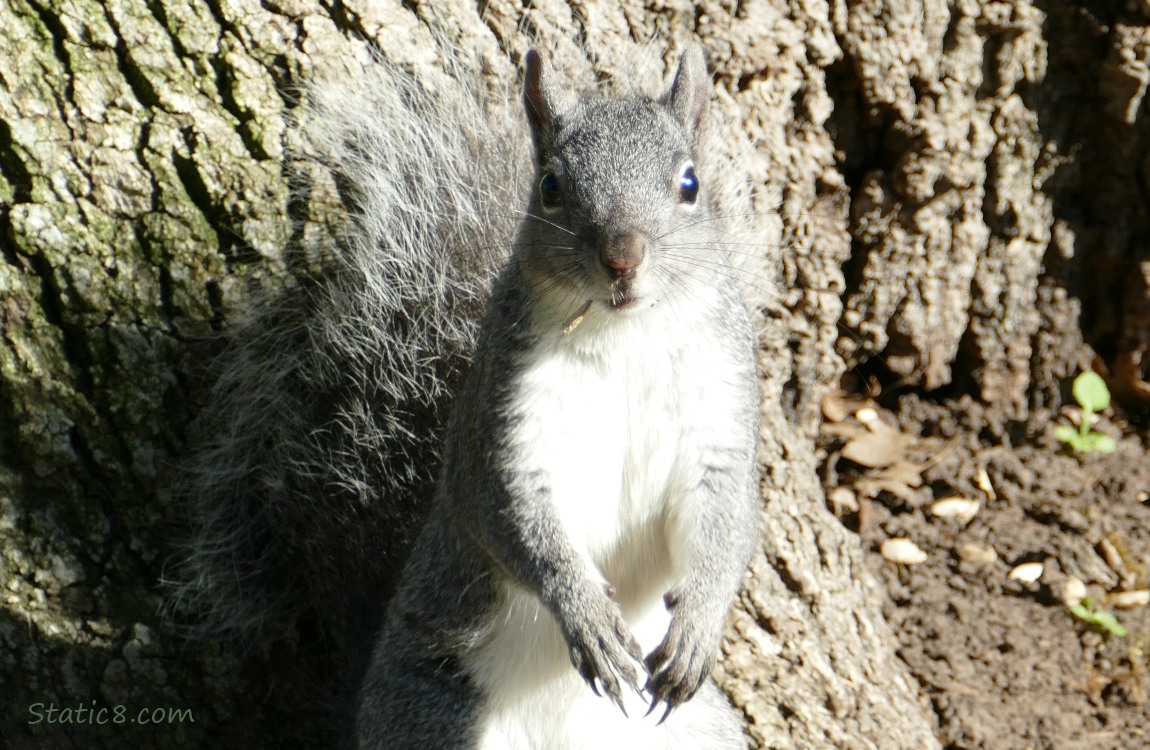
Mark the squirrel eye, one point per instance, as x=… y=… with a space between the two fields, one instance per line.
x=549 y=193
x=688 y=186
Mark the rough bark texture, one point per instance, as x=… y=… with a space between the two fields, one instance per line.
x=960 y=184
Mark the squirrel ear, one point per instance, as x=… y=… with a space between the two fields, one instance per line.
x=690 y=94
x=544 y=100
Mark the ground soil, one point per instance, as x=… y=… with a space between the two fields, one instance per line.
x=1004 y=662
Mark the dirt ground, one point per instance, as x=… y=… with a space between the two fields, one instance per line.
x=1004 y=661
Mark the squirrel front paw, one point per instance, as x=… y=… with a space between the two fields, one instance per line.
x=602 y=648
x=681 y=663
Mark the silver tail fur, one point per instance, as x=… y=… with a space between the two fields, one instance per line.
x=318 y=445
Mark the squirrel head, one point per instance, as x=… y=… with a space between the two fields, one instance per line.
x=547 y=102
x=617 y=191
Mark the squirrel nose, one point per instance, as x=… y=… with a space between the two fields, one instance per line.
x=622 y=253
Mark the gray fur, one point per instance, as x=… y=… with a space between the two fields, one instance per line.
x=494 y=524
x=318 y=445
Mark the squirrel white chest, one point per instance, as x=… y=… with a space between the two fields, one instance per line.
x=605 y=417
x=618 y=424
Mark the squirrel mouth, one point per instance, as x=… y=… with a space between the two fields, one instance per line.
x=616 y=302
x=619 y=298
x=620 y=294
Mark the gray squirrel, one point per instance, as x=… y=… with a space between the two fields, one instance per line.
x=597 y=499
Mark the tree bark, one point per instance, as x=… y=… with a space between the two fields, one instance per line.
x=954 y=194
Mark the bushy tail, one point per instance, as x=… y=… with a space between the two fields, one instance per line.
x=319 y=442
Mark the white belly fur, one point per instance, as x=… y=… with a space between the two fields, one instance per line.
x=605 y=424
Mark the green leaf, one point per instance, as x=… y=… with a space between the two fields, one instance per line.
x=1090 y=391
x=1110 y=623
x=1096 y=618
x=1103 y=443
x=1066 y=433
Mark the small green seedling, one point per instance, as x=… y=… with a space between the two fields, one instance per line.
x=1097 y=619
x=1090 y=392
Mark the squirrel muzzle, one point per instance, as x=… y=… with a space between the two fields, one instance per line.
x=622 y=253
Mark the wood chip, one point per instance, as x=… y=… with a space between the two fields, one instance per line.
x=902 y=551
x=843 y=500
x=983 y=554
x=956 y=509
x=1111 y=555
x=574 y=321
x=1073 y=591
x=1129 y=599
x=984 y=483
x=1027 y=572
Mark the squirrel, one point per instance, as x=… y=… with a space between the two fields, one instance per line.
x=597 y=496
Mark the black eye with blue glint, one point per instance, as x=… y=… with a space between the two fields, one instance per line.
x=688 y=186
x=549 y=193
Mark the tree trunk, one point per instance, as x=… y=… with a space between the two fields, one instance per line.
x=954 y=194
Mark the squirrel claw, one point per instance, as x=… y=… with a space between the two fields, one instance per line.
x=619 y=702
x=655 y=704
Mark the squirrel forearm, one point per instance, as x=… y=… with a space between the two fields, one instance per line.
x=713 y=541
x=514 y=524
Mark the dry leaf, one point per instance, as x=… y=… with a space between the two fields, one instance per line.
x=1127 y=383
x=876 y=449
x=836 y=406
x=846 y=430
x=878 y=445
x=899 y=479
